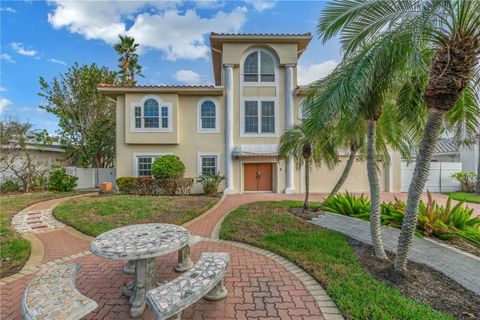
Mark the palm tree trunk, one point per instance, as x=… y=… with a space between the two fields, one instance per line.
x=346 y=171
x=477 y=187
x=420 y=176
x=307 y=184
x=375 y=225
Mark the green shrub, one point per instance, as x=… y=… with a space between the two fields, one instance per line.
x=467 y=179
x=210 y=182
x=10 y=186
x=169 y=166
x=348 y=204
x=434 y=220
x=60 y=180
x=126 y=184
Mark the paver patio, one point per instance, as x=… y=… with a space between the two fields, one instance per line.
x=260 y=286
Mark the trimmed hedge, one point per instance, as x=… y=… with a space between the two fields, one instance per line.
x=152 y=186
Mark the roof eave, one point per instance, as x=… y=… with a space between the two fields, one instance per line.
x=217 y=91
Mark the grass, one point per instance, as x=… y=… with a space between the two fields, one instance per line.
x=327 y=256
x=14 y=249
x=97 y=214
x=465 y=196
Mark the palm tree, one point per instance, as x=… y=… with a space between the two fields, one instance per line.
x=306 y=150
x=359 y=87
x=451 y=30
x=129 y=67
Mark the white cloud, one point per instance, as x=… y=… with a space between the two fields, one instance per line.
x=17 y=46
x=313 y=72
x=209 y=4
x=2 y=89
x=8 y=9
x=188 y=77
x=179 y=34
x=53 y=60
x=260 y=5
x=4 y=104
x=182 y=36
x=7 y=57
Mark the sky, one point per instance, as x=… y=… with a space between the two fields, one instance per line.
x=44 y=38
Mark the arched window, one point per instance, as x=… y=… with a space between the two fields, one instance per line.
x=259 y=66
x=151 y=115
x=207 y=115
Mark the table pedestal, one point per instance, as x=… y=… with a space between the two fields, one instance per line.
x=184 y=261
x=144 y=281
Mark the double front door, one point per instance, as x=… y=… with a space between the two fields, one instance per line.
x=258 y=176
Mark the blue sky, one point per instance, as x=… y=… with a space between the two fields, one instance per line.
x=45 y=38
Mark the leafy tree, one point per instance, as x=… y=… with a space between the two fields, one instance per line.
x=129 y=67
x=306 y=150
x=450 y=30
x=86 y=117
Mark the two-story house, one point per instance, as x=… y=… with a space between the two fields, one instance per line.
x=232 y=127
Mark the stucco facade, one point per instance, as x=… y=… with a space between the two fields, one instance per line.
x=251 y=111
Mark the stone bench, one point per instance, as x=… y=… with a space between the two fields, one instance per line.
x=53 y=295
x=204 y=279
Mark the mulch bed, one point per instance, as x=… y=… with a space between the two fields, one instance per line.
x=421 y=283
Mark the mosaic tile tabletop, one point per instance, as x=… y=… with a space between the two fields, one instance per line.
x=140 y=241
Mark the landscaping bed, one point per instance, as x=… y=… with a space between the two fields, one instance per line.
x=97 y=214
x=333 y=261
x=15 y=250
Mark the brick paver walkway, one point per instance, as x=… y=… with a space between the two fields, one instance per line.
x=260 y=285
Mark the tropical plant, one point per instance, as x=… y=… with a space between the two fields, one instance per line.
x=348 y=204
x=129 y=67
x=86 y=116
x=467 y=180
x=450 y=30
x=306 y=150
x=210 y=182
x=168 y=166
x=60 y=180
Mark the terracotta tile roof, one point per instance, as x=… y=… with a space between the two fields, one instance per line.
x=308 y=34
x=109 y=85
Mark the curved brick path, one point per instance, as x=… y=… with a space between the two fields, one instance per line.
x=261 y=285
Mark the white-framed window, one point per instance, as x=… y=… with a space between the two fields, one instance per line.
x=259 y=66
x=208 y=117
x=259 y=117
x=151 y=114
x=208 y=163
x=142 y=163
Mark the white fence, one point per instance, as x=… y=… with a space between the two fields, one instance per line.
x=92 y=177
x=440 y=177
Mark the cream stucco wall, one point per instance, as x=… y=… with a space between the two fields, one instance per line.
x=190 y=142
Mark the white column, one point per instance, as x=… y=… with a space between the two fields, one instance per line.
x=288 y=124
x=228 y=129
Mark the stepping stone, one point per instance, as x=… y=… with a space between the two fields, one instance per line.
x=39 y=227
x=34 y=213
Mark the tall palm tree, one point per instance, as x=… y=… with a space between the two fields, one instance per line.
x=451 y=29
x=306 y=150
x=359 y=86
x=129 y=67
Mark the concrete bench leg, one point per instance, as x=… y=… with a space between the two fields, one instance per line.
x=184 y=261
x=178 y=316
x=129 y=268
x=218 y=292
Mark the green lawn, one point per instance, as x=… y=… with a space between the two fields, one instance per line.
x=327 y=256
x=465 y=196
x=97 y=214
x=14 y=249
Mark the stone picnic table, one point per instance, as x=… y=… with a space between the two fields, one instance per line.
x=140 y=244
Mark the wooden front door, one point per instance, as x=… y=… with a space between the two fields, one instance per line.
x=258 y=176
